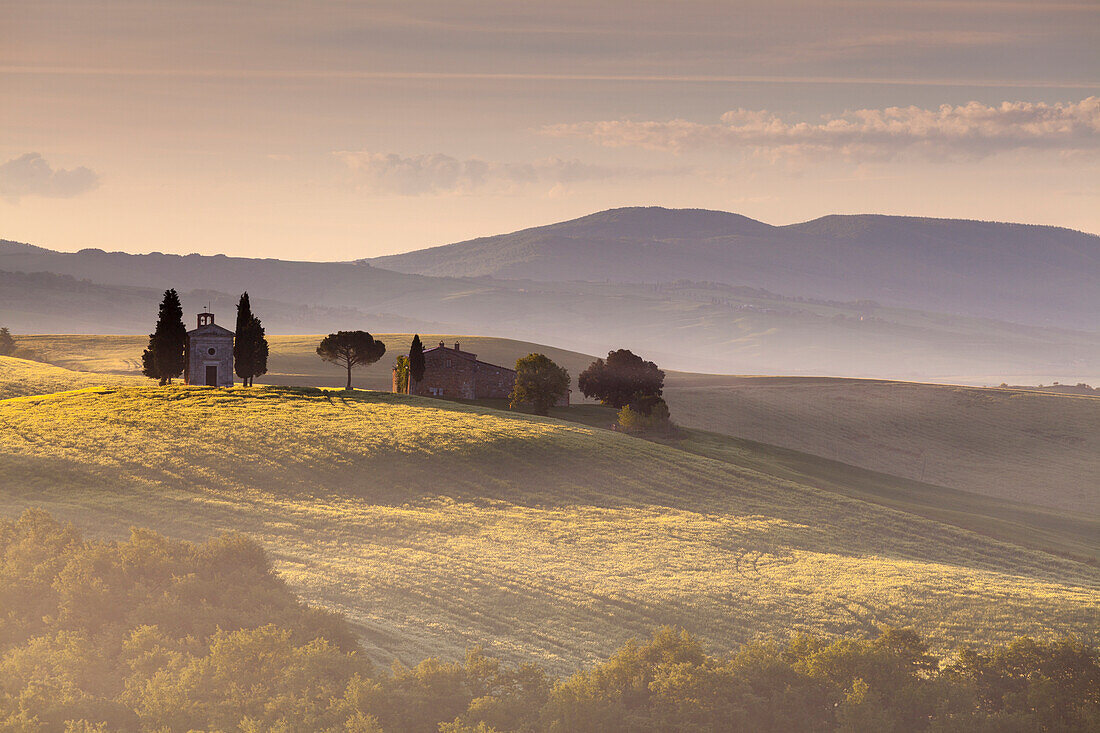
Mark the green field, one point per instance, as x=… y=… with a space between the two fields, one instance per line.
x=1014 y=445
x=435 y=526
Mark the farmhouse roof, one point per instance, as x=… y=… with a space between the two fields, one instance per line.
x=466 y=355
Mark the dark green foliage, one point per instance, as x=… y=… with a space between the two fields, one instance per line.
x=401 y=371
x=350 y=349
x=416 y=359
x=250 y=349
x=164 y=358
x=153 y=634
x=646 y=414
x=7 y=343
x=621 y=379
x=539 y=382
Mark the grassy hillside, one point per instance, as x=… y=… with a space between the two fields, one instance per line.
x=435 y=525
x=1072 y=534
x=1011 y=444
x=19 y=377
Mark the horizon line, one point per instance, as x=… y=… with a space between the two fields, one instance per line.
x=365 y=260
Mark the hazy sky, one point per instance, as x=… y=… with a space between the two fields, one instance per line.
x=334 y=130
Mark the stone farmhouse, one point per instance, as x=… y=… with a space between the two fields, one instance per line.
x=208 y=356
x=456 y=374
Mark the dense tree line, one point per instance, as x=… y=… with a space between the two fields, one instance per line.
x=153 y=634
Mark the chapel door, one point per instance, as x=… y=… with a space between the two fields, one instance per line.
x=212 y=375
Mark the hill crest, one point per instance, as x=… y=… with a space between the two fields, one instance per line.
x=1032 y=274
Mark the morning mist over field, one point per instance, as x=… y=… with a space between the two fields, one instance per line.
x=496 y=367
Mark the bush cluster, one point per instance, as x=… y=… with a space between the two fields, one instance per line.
x=153 y=634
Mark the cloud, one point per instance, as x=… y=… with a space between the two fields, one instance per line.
x=31 y=175
x=436 y=173
x=971 y=130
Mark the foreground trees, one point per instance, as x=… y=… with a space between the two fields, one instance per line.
x=539 y=382
x=164 y=358
x=7 y=343
x=155 y=634
x=350 y=349
x=250 y=348
x=621 y=379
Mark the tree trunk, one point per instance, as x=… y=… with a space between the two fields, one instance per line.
x=349 y=377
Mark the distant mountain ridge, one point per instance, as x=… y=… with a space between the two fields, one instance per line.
x=1039 y=275
x=805 y=303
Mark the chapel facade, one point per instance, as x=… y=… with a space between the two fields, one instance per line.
x=208 y=356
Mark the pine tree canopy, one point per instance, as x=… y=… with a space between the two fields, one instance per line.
x=350 y=349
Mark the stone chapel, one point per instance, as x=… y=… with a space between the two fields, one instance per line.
x=209 y=354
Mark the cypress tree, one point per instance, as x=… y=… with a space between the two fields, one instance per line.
x=7 y=343
x=164 y=358
x=416 y=359
x=242 y=338
x=250 y=348
x=259 y=349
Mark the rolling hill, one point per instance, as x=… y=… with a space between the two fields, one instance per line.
x=1038 y=275
x=1017 y=445
x=20 y=377
x=436 y=526
x=1025 y=446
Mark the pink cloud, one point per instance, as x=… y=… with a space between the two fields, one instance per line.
x=969 y=130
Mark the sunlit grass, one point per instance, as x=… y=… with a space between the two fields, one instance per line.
x=1015 y=445
x=435 y=526
x=19 y=377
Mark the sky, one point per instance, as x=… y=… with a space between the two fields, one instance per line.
x=330 y=130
